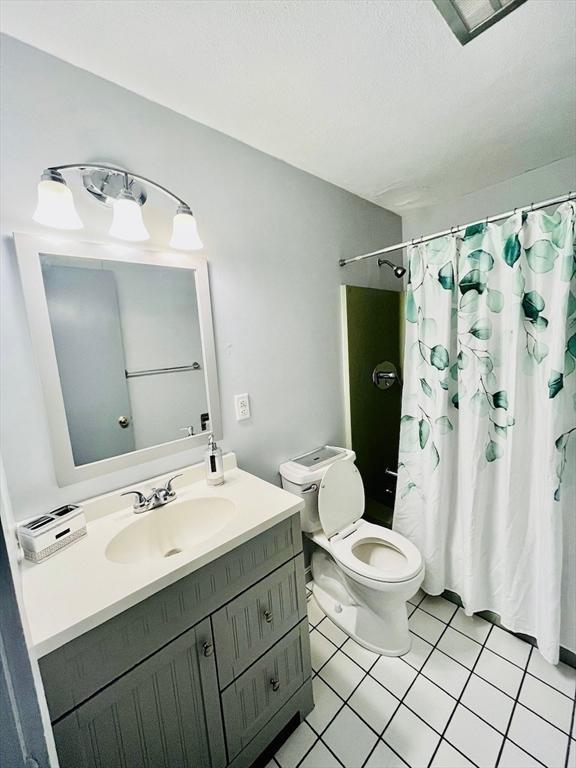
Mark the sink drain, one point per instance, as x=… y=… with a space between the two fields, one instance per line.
x=171 y=552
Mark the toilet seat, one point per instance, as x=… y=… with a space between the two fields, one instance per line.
x=362 y=549
x=376 y=553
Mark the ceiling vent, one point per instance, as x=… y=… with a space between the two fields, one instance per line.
x=469 y=18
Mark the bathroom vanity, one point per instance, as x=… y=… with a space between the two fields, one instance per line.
x=196 y=659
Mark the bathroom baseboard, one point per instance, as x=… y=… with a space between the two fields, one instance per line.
x=566 y=656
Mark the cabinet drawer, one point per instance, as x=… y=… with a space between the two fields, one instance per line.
x=162 y=714
x=83 y=666
x=250 y=624
x=254 y=698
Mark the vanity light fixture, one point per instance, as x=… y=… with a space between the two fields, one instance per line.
x=121 y=190
x=185 y=230
x=127 y=221
x=55 y=206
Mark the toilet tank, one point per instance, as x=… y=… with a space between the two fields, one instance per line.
x=302 y=476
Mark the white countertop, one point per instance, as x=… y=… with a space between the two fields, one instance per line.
x=79 y=588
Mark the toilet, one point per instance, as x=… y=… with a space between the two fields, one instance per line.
x=363 y=574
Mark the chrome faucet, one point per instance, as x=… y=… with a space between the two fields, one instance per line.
x=158 y=497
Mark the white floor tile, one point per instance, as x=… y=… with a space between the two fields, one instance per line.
x=426 y=626
x=446 y=673
x=342 y=674
x=430 y=702
x=510 y=647
x=411 y=738
x=448 y=757
x=320 y=649
x=473 y=737
x=373 y=703
x=361 y=655
x=420 y=595
x=499 y=672
x=349 y=738
x=315 y=613
x=572 y=755
x=394 y=674
x=488 y=702
x=460 y=647
x=537 y=737
x=384 y=757
x=326 y=704
x=547 y=702
x=560 y=676
x=439 y=607
x=320 y=757
x=332 y=632
x=473 y=626
x=514 y=757
x=418 y=653
x=296 y=746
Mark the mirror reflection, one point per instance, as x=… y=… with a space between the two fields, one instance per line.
x=129 y=353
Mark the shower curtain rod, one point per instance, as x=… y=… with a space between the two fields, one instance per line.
x=458 y=228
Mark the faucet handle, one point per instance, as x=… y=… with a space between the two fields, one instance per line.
x=140 y=502
x=168 y=486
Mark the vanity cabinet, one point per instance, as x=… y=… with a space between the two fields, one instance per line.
x=164 y=713
x=203 y=674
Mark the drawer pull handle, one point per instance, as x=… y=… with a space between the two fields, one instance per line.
x=275 y=684
x=268 y=617
x=207 y=649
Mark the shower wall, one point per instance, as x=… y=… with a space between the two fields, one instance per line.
x=373 y=335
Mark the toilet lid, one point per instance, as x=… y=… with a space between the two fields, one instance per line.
x=340 y=498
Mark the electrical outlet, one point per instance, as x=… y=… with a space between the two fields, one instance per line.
x=242 y=405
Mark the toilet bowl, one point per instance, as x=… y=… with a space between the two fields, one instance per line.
x=363 y=574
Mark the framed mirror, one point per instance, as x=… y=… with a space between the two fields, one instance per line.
x=125 y=347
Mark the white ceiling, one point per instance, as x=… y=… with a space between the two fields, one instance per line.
x=376 y=96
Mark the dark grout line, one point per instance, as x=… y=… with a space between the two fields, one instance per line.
x=443 y=734
x=571 y=742
x=514 y=710
x=319 y=739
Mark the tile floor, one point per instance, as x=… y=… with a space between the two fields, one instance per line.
x=467 y=694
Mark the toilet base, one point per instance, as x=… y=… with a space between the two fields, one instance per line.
x=385 y=634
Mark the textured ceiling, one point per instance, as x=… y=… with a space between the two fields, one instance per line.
x=375 y=96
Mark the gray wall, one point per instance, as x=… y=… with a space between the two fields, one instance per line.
x=538 y=184
x=273 y=236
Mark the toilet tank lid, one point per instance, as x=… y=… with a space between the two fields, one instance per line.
x=310 y=466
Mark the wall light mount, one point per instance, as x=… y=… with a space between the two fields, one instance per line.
x=125 y=192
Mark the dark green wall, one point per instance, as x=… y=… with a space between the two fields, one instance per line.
x=373 y=326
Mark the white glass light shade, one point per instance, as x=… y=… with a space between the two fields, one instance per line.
x=55 y=206
x=127 y=221
x=185 y=235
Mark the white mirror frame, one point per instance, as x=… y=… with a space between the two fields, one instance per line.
x=29 y=249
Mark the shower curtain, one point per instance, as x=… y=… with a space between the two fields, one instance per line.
x=488 y=431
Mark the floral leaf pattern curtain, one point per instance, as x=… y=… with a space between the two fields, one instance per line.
x=488 y=430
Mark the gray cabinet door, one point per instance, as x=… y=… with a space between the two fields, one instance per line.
x=251 y=623
x=255 y=697
x=164 y=713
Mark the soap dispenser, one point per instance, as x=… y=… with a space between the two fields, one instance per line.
x=214 y=463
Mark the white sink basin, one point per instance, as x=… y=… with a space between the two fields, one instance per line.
x=169 y=530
